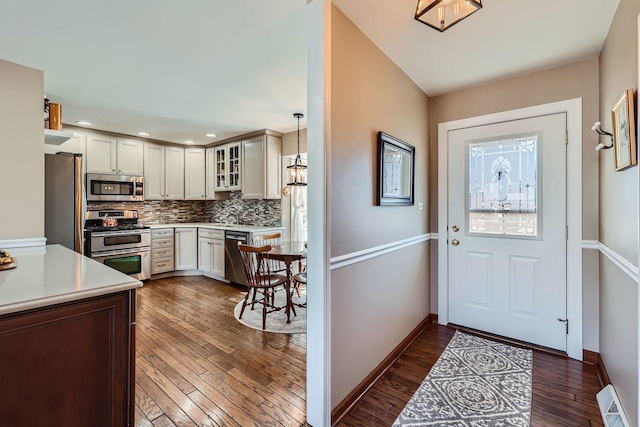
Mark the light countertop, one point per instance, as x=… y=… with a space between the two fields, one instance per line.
x=216 y=226
x=53 y=274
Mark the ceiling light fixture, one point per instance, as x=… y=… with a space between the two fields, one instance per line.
x=143 y=134
x=442 y=14
x=211 y=135
x=297 y=169
x=189 y=142
x=83 y=123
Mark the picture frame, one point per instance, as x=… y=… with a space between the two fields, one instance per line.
x=624 y=136
x=396 y=171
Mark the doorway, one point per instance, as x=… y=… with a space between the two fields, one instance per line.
x=510 y=184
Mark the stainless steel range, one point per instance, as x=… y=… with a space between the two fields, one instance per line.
x=114 y=238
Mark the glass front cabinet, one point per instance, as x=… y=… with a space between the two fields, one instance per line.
x=227 y=167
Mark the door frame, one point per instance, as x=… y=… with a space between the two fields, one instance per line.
x=573 y=110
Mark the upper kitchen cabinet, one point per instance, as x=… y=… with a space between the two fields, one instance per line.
x=109 y=155
x=194 y=173
x=211 y=176
x=163 y=172
x=262 y=167
x=227 y=167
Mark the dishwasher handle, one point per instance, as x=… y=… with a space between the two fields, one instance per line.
x=241 y=239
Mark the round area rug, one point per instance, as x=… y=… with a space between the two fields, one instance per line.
x=276 y=321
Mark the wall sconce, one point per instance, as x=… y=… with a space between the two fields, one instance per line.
x=596 y=127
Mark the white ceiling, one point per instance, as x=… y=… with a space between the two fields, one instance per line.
x=175 y=69
x=180 y=69
x=504 y=38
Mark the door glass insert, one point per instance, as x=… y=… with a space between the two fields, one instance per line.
x=503 y=187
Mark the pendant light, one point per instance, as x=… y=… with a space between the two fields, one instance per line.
x=443 y=14
x=298 y=171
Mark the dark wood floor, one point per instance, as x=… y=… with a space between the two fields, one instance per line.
x=563 y=389
x=197 y=366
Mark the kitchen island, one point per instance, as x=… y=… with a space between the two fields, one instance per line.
x=67 y=341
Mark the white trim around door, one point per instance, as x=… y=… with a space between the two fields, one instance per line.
x=573 y=109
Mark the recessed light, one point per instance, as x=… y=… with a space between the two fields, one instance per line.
x=143 y=134
x=84 y=123
x=210 y=135
x=189 y=142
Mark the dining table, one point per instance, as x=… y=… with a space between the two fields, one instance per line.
x=288 y=252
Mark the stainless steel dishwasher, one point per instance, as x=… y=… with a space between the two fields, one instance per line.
x=233 y=265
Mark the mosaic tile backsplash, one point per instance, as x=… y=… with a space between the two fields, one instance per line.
x=245 y=211
x=235 y=210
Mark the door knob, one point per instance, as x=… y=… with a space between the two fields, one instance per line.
x=455 y=228
x=455 y=242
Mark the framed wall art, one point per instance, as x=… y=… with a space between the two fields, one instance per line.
x=396 y=163
x=624 y=131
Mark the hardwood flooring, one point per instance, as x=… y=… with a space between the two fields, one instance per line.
x=197 y=366
x=563 y=389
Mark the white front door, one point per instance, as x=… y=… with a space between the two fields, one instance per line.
x=507 y=229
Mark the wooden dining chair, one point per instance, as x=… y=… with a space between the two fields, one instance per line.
x=260 y=279
x=271 y=239
x=299 y=279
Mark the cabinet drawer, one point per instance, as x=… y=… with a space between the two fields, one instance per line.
x=213 y=234
x=161 y=232
x=161 y=265
x=162 y=243
x=161 y=252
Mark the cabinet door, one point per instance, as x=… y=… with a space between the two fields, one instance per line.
x=218 y=257
x=186 y=240
x=210 y=174
x=130 y=156
x=153 y=172
x=174 y=173
x=273 y=167
x=253 y=168
x=220 y=174
x=234 y=167
x=205 y=255
x=194 y=174
x=101 y=154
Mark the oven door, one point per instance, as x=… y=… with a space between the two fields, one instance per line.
x=134 y=262
x=116 y=240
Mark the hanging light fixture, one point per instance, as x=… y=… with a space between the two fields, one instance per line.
x=298 y=171
x=442 y=14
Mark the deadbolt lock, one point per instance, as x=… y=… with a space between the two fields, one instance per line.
x=455 y=228
x=455 y=242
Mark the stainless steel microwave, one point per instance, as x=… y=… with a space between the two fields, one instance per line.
x=114 y=188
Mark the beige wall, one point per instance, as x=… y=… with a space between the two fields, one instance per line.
x=575 y=80
x=375 y=303
x=619 y=216
x=21 y=152
x=290 y=142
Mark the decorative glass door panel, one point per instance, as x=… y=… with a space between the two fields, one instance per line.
x=503 y=186
x=220 y=169
x=234 y=167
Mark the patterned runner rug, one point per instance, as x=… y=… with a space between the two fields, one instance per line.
x=474 y=383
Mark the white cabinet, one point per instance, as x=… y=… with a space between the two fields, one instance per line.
x=210 y=175
x=227 y=167
x=211 y=251
x=163 y=172
x=162 y=258
x=261 y=167
x=186 y=248
x=129 y=157
x=101 y=154
x=194 y=173
x=109 y=155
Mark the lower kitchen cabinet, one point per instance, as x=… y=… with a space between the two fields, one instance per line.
x=70 y=364
x=211 y=251
x=186 y=248
x=162 y=254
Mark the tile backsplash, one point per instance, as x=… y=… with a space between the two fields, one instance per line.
x=246 y=211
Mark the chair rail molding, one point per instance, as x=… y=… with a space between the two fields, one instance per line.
x=365 y=254
x=23 y=243
x=624 y=264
